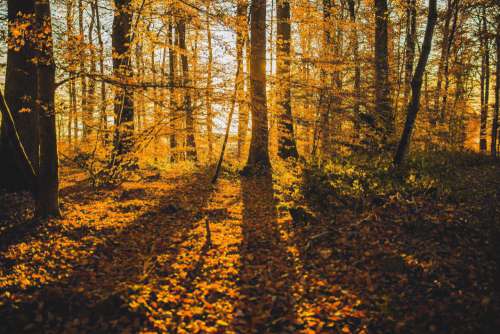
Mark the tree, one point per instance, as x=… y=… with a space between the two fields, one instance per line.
x=485 y=79
x=286 y=137
x=123 y=103
x=416 y=84
x=494 y=122
x=48 y=174
x=382 y=85
x=186 y=82
x=258 y=159
x=20 y=94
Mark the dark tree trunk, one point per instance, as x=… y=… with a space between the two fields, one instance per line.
x=20 y=94
x=485 y=82
x=258 y=159
x=411 y=36
x=494 y=126
x=357 y=69
x=186 y=82
x=48 y=175
x=123 y=104
x=286 y=140
x=416 y=84
x=383 y=106
x=208 y=93
x=172 y=57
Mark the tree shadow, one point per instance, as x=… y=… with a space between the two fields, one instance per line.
x=94 y=295
x=266 y=274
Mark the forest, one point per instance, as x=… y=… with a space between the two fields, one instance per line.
x=249 y=166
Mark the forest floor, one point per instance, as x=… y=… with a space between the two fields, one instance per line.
x=174 y=254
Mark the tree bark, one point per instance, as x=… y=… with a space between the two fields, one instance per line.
x=123 y=104
x=86 y=117
x=416 y=85
x=172 y=57
x=208 y=93
x=287 y=147
x=485 y=81
x=191 y=153
x=258 y=159
x=382 y=85
x=411 y=36
x=357 y=69
x=241 y=41
x=48 y=177
x=494 y=126
x=20 y=94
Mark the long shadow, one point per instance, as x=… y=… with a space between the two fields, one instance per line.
x=266 y=274
x=415 y=267
x=94 y=298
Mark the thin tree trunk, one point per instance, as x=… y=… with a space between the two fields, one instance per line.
x=208 y=92
x=103 y=115
x=411 y=36
x=258 y=159
x=86 y=118
x=494 y=126
x=357 y=69
x=485 y=82
x=48 y=178
x=287 y=147
x=241 y=42
x=173 y=99
x=416 y=85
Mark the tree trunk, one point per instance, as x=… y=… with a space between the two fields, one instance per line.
x=411 y=36
x=494 y=126
x=357 y=69
x=485 y=81
x=186 y=82
x=382 y=85
x=325 y=97
x=258 y=159
x=123 y=104
x=172 y=57
x=208 y=93
x=20 y=94
x=86 y=118
x=48 y=177
x=103 y=116
x=416 y=85
x=286 y=137
x=241 y=41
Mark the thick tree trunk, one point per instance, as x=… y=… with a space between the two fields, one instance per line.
x=383 y=107
x=287 y=147
x=48 y=177
x=258 y=159
x=20 y=94
x=494 y=123
x=325 y=94
x=416 y=85
x=123 y=104
x=191 y=153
